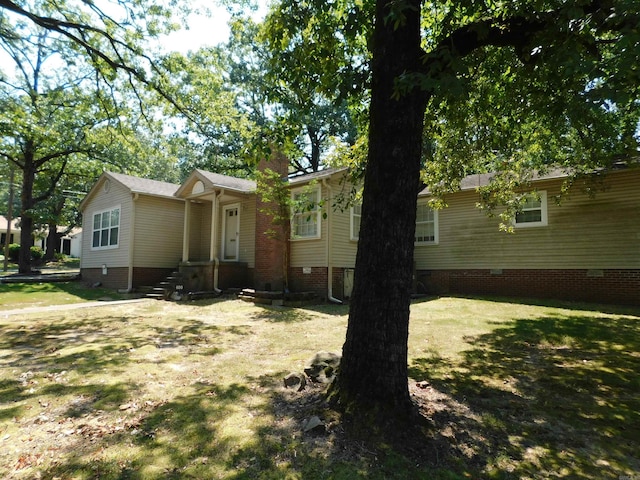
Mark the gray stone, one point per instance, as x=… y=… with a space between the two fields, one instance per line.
x=314 y=424
x=323 y=367
x=295 y=379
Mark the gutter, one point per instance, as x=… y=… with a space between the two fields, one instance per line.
x=330 y=296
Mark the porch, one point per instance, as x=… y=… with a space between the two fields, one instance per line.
x=216 y=253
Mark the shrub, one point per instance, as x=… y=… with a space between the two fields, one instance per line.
x=14 y=252
x=37 y=253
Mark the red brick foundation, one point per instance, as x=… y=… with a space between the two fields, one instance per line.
x=596 y=286
x=309 y=279
x=116 y=278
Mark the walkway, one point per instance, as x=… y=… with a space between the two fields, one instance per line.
x=69 y=306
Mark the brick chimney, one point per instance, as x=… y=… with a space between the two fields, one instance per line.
x=272 y=239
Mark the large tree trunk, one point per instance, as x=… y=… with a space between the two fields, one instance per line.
x=373 y=373
x=53 y=242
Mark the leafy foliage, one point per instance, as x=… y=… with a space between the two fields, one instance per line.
x=66 y=113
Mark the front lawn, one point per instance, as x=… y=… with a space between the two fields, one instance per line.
x=158 y=390
x=23 y=295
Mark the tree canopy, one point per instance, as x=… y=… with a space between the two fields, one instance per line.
x=74 y=91
x=460 y=87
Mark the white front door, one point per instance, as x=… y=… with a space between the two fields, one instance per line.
x=231 y=233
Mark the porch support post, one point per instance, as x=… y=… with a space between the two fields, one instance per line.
x=213 y=250
x=186 y=230
x=213 y=253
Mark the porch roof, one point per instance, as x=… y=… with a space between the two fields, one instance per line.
x=213 y=181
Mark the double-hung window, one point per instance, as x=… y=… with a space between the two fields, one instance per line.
x=426 y=225
x=305 y=219
x=534 y=211
x=106 y=228
x=356 y=215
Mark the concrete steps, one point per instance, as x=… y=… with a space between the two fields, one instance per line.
x=171 y=288
x=289 y=299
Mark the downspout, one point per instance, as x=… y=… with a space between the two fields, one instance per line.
x=132 y=235
x=330 y=296
x=213 y=252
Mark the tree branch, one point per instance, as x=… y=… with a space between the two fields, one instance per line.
x=77 y=33
x=518 y=32
x=52 y=184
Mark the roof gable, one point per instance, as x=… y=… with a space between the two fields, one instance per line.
x=133 y=184
x=213 y=181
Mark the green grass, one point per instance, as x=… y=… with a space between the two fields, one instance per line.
x=159 y=390
x=23 y=295
x=64 y=264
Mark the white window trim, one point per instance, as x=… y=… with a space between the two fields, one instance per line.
x=436 y=237
x=111 y=209
x=318 y=212
x=352 y=215
x=542 y=194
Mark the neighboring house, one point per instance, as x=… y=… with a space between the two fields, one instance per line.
x=70 y=244
x=4 y=227
x=212 y=227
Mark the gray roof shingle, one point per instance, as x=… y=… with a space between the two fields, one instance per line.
x=143 y=185
x=225 y=181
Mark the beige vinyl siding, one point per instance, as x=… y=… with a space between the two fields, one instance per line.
x=309 y=253
x=312 y=252
x=343 y=249
x=112 y=257
x=204 y=235
x=199 y=231
x=582 y=232
x=159 y=223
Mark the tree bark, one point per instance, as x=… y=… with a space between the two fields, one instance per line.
x=373 y=372
x=53 y=242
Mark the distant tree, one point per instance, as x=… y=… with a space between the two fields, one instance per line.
x=208 y=131
x=54 y=122
x=78 y=86
x=287 y=108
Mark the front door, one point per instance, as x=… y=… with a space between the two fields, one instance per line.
x=231 y=233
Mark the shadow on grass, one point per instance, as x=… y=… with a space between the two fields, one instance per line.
x=299 y=314
x=37 y=357
x=194 y=436
x=553 y=303
x=556 y=396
